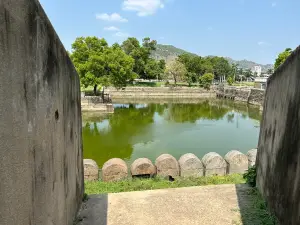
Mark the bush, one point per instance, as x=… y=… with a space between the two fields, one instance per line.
x=250 y=176
x=230 y=80
x=206 y=80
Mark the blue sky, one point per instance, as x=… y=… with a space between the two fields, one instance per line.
x=255 y=30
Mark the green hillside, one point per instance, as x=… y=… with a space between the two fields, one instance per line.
x=169 y=52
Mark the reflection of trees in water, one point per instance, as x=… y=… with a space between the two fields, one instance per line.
x=128 y=122
x=192 y=112
x=116 y=141
x=230 y=117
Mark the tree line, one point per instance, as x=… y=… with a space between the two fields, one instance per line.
x=100 y=64
x=97 y=63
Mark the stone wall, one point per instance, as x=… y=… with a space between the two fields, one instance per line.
x=250 y=95
x=95 y=103
x=188 y=165
x=278 y=161
x=256 y=96
x=159 y=92
x=41 y=169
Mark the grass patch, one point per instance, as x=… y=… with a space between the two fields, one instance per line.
x=254 y=210
x=137 y=184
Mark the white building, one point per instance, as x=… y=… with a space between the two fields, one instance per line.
x=257 y=70
x=260 y=82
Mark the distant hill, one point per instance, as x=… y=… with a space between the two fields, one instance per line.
x=245 y=64
x=169 y=52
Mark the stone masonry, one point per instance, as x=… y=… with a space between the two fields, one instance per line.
x=41 y=169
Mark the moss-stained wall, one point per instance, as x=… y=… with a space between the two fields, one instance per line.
x=41 y=174
x=278 y=161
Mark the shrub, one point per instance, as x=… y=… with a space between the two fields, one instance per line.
x=230 y=80
x=206 y=80
x=250 y=176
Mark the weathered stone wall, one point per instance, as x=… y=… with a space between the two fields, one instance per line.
x=159 y=92
x=256 y=96
x=242 y=94
x=94 y=103
x=250 y=95
x=41 y=169
x=278 y=157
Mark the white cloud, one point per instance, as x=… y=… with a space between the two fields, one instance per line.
x=115 y=17
x=274 y=4
x=112 y=28
x=121 y=34
x=263 y=43
x=143 y=7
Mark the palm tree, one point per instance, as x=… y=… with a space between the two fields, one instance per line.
x=234 y=70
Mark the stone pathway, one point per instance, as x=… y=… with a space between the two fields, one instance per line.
x=205 y=205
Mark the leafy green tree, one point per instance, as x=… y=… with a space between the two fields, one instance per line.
x=99 y=64
x=221 y=67
x=207 y=66
x=282 y=57
x=240 y=71
x=196 y=66
x=88 y=58
x=153 y=69
x=206 y=80
x=248 y=73
x=176 y=70
x=119 y=67
x=234 y=68
x=190 y=78
x=141 y=55
x=230 y=80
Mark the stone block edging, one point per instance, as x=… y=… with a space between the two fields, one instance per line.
x=189 y=165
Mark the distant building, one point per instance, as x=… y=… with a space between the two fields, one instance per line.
x=257 y=70
x=260 y=82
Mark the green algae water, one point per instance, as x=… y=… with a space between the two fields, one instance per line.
x=148 y=130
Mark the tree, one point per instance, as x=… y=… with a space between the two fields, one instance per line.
x=221 y=67
x=140 y=54
x=196 y=66
x=99 y=64
x=282 y=57
x=248 y=73
x=177 y=70
x=119 y=67
x=206 y=80
x=153 y=69
x=234 y=67
x=88 y=58
x=230 y=80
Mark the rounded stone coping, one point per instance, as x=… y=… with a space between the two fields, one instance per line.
x=236 y=157
x=190 y=160
x=213 y=160
x=90 y=163
x=167 y=165
x=252 y=154
x=114 y=169
x=91 y=170
x=190 y=165
x=142 y=166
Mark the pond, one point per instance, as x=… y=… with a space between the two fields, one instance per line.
x=138 y=130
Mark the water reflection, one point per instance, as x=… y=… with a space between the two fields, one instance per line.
x=147 y=130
